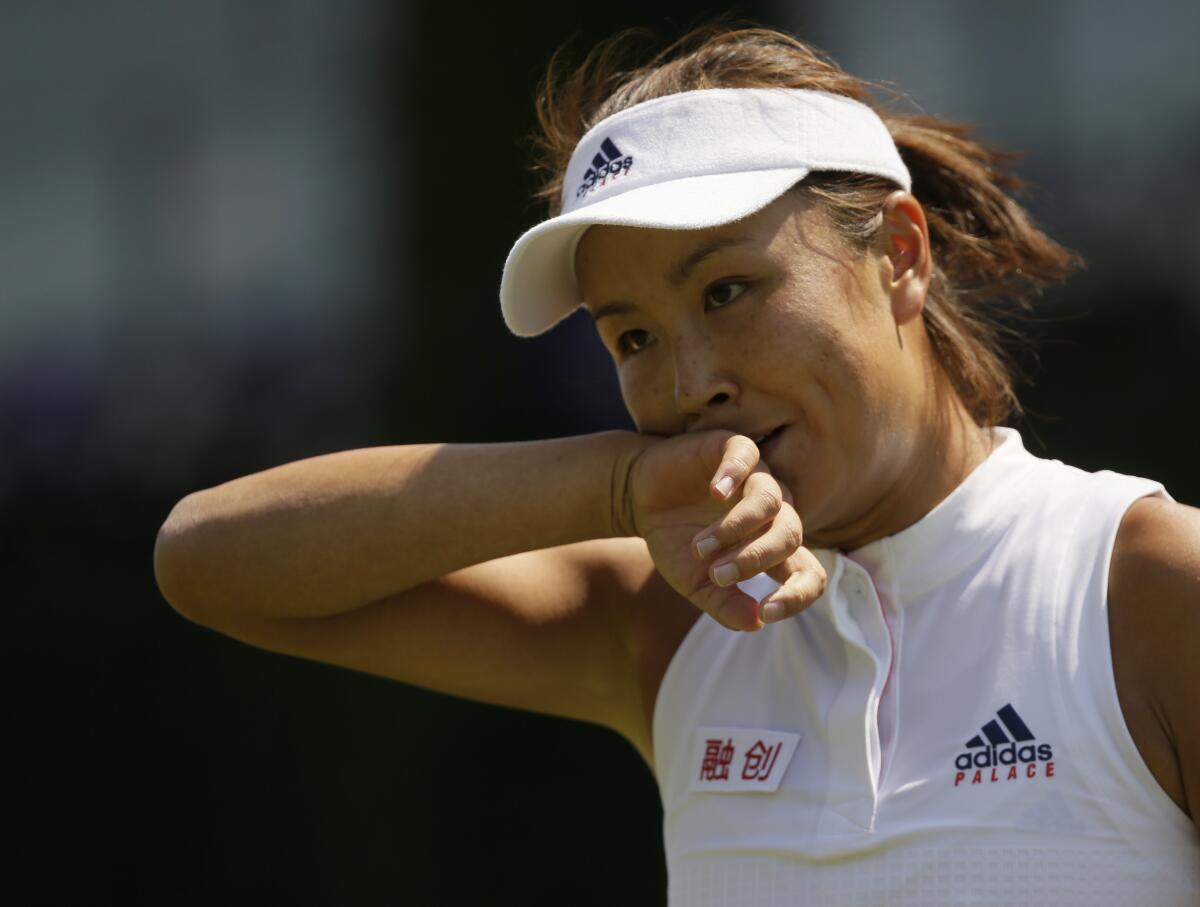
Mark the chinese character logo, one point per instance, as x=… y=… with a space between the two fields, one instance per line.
x=760 y=759
x=717 y=756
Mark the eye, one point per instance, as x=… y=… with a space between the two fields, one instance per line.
x=723 y=293
x=633 y=341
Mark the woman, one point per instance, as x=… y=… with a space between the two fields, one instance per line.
x=797 y=290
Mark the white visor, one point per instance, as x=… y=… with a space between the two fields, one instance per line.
x=688 y=161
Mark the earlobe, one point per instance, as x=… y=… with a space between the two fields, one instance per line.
x=907 y=236
x=908 y=297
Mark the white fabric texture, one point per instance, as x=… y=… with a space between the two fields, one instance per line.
x=985 y=621
x=688 y=161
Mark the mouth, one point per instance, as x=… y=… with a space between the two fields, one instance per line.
x=766 y=441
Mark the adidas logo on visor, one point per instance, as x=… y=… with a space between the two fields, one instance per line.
x=607 y=165
x=1004 y=750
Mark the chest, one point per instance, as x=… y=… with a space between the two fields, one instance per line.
x=872 y=716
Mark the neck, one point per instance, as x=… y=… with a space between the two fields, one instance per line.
x=934 y=468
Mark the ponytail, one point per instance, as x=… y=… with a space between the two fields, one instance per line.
x=991 y=260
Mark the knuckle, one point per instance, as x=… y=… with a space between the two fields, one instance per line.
x=726 y=535
x=752 y=557
x=799 y=524
x=742 y=448
x=768 y=500
x=793 y=536
x=736 y=526
x=744 y=443
x=737 y=462
x=799 y=596
x=793 y=605
x=806 y=580
x=732 y=466
x=814 y=584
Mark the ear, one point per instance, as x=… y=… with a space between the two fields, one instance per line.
x=907 y=243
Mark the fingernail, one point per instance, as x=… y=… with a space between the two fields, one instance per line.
x=707 y=546
x=725 y=575
x=772 y=611
x=725 y=486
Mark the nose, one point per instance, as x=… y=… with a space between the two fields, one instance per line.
x=702 y=384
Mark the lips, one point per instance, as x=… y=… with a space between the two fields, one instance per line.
x=767 y=441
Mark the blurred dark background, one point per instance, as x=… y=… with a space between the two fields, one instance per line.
x=234 y=234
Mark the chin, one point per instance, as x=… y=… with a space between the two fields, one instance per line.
x=814 y=517
x=812 y=495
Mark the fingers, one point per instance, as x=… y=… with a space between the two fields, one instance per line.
x=803 y=581
x=762 y=498
x=731 y=608
x=758 y=555
x=739 y=457
x=761 y=533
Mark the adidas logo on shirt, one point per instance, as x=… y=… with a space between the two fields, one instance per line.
x=1004 y=750
x=608 y=164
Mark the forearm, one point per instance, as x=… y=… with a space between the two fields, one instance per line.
x=328 y=534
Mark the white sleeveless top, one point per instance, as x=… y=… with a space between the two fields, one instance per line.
x=940 y=727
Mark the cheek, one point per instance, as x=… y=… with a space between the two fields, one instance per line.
x=808 y=348
x=828 y=370
x=835 y=331
x=649 y=398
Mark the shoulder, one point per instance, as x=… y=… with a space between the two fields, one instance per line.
x=1156 y=563
x=1154 y=601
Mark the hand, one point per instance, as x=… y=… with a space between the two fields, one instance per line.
x=712 y=515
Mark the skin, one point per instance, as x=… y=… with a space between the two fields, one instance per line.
x=564 y=575
x=778 y=322
x=781 y=325
x=1154 y=621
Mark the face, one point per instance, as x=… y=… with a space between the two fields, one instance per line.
x=771 y=326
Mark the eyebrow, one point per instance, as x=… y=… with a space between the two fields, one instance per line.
x=677 y=275
x=611 y=308
x=684 y=267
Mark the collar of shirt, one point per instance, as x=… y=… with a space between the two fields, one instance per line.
x=958 y=531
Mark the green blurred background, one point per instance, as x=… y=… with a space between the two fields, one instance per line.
x=234 y=234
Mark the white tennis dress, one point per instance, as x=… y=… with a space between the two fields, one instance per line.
x=940 y=727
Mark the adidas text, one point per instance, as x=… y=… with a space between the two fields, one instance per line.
x=1004 y=755
x=1004 y=750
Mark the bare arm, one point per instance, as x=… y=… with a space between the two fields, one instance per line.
x=325 y=535
x=488 y=571
x=1154 y=599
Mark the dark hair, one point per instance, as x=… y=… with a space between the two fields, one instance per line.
x=989 y=258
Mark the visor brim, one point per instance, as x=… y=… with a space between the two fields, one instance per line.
x=538 y=288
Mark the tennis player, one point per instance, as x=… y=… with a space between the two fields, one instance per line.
x=874 y=650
